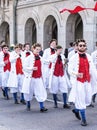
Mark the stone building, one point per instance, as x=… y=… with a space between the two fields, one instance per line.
x=33 y=21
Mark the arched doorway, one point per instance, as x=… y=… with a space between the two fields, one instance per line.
x=50 y=30
x=4 y=32
x=30 y=31
x=74 y=28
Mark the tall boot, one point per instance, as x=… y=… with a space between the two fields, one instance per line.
x=55 y=100
x=83 y=117
x=22 y=99
x=15 y=98
x=6 y=93
x=93 y=98
x=28 y=105
x=65 y=101
x=42 y=108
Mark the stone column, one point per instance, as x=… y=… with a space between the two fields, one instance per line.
x=40 y=34
x=88 y=35
x=62 y=36
x=2 y=3
x=11 y=16
x=20 y=33
x=6 y=3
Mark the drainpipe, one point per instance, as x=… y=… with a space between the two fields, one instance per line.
x=15 y=2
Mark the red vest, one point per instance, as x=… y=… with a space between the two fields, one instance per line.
x=19 y=66
x=52 y=52
x=8 y=65
x=37 y=73
x=59 y=71
x=84 y=68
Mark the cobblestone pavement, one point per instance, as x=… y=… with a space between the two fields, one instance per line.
x=15 y=117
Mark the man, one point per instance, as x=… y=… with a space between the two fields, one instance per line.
x=57 y=79
x=74 y=51
x=26 y=52
x=16 y=74
x=83 y=79
x=71 y=48
x=33 y=83
x=6 y=68
x=46 y=64
x=1 y=69
x=94 y=57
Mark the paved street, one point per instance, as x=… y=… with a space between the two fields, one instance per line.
x=15 y=117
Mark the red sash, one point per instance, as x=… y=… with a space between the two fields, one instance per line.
x=19 y=66
x=8 y=65
x=84 y=68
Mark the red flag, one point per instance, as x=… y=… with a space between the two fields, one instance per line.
x=95 y=8
x=78 y=9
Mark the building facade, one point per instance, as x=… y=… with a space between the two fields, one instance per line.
x=39 y=21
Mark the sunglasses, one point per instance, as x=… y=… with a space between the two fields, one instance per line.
x=82 y=45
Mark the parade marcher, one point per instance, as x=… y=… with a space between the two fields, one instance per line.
x=74 y=51
x=83 y=80
x=46 y=64
x=71 y=48
x=6 y=68
x=1 y=69
x=16 y=75
x=94 y=57
x=33 y=82
x=57 y=79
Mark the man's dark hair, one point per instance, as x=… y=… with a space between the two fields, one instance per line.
x=26 y=44
x=58 y=47
x=4 y=45
x=80 y=40
x=71 y=44
x=36 y=45
x=53 y=41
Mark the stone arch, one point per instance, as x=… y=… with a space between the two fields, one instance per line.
x=4 y=32
x=30 y=31
x=53 y=11
x=50 y=30
x=74 y=28
x=30 y=14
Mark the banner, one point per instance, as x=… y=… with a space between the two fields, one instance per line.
x=78 y=9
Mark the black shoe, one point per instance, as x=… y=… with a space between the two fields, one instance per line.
x=16 y=102
x=76 y=114
x=84 y=123
x=23 y=102
x=43 y=109
x=66 y=106
x=91 y=105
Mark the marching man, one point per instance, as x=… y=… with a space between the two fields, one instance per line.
x=57 y=79
x=94 y=57
x=33 y=83
x=26 y=52
x=5 y=55
x=46 y=64
x=83 y=80
x=16 y=75
x=1 y=69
